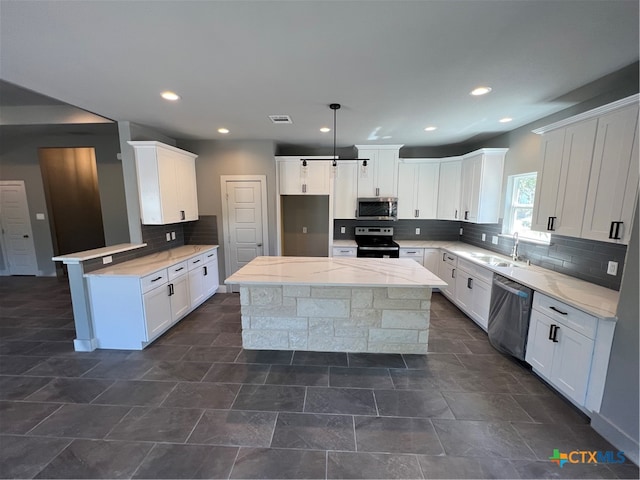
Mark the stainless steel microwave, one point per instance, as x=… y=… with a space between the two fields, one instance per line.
x=377 y=208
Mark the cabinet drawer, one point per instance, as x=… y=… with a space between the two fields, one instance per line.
x=449 y=258
x=177 y=270
x=571 y=317
x=195 y=262
x=210 y=256
x=345 y=251
x=154 y=280
x=412 y=252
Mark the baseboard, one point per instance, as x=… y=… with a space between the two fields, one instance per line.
x=222 y=289
x=85 y=345
x=616 y=437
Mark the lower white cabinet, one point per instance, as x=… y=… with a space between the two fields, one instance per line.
x=447 y=272
x=129 y=311
x=473 y=291
x=431 y=259
x=560 y=354
x=344 y=251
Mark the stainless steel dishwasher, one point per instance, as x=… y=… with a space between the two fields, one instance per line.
x=509 y=315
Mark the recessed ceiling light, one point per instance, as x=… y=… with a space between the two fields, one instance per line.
x=430 y=129
x=505 y=120
x=223 y=130
x=387 y=137
x=325 y=129
x=170 y=96
x=480 y=91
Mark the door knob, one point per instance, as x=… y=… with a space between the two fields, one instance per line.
x=25 y=236
x=259 y=244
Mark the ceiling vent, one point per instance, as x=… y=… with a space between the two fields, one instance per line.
x=280 y=119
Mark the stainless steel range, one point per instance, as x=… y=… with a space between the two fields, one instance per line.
x=376 y=242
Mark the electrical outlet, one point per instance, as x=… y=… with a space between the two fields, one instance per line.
x=173 y=235
x=461 y=230
x=484 y=237
x=612 y=268
x=343 y=229
x=168 y=237
x=417 y=230
x=304 y=229
x=494 y=239
x=39 y=216
x=106 y=260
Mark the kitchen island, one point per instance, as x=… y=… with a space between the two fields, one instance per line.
x=335 y=304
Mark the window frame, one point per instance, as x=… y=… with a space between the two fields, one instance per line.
x=512 y=204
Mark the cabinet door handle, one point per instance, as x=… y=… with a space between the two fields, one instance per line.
x=466 y=214
x=549 y=223
x=205 y=270
x=444 y=256
x=304 y=188
x=613 y=226
x=555 y=334
x=453 y=273
x=551 y=331
x=182 y=215
x=455 y=215
x=616 y=235
x=377 y=191
x=469 y=283
x=551 y=226
x=170 y=289
x=156 y=279
x=559 y=311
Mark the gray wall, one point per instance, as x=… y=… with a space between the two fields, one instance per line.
x=19 y=161
x=620 y=404
x=232 y=158
x=312 y=212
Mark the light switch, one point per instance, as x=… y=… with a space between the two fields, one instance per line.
x=494 y=239
x=106 y=260
x=304 y=229
x=168 y=237
x=173 y=235
x=484 y=237
x=417 y=230
x=343 y=229
x=612 y=268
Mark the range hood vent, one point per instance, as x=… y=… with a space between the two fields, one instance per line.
x=280 y=119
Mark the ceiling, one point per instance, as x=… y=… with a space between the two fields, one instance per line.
x=395 y=66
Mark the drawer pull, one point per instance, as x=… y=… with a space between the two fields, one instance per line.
x=178 y=269
x=558 y=311
x=195 y=261
x=210 y=255
x=156 y=279
x=345 y=251
x=412 y=252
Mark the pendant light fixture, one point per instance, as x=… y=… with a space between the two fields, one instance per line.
x=334 y=160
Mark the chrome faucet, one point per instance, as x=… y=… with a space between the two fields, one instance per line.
x=514 y=250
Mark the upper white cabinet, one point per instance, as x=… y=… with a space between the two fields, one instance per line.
x=481 y=185
x=296 y=179
x=561 y=189
x=345 y=189
x=588 y=177
x=449 y=189
x=379 y=177
x=166 y=183
x=418 y=188
x=613 y=184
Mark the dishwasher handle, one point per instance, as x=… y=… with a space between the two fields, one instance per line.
x=510 y=289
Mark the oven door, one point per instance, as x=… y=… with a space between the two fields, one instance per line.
x=378 y=252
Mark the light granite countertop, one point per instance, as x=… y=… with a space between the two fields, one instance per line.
x=142 y=266
x=591 y=298
x=335 y=271
x=78 y=257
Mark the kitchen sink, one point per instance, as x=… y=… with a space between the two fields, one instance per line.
x=492 y=260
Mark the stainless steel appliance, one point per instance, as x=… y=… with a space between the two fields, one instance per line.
x=509 y=315
x=377 y=208
x=376 y=242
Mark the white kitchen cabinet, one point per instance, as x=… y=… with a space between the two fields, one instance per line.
x=344 y=251
x=473 y=291
x=379 y=177
x=296 y=179
x=203 y=277
x=560 y=346
x=561 y=187
x=345 y=190
x=613 y=183
x=416 y=254
x=166 y=178
x=431 y=259
x=449 y=189
x=447 y=272
x=418 y=188
x=481 y=185
x=129 y=312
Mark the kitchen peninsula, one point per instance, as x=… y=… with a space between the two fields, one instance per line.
x=335 y=304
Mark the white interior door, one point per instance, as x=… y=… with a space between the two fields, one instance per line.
x=17 y=237
x=245 y=221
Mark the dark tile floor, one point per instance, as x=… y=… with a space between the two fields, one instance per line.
x=196 y=405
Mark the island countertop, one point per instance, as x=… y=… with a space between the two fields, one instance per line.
x=335 y=271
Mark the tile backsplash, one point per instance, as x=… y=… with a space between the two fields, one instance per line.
x=402 y=229
x=202 y=231
x=576 y=257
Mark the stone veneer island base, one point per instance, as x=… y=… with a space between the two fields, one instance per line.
x=335 y=304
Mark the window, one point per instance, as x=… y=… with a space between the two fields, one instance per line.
x=518 y=216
